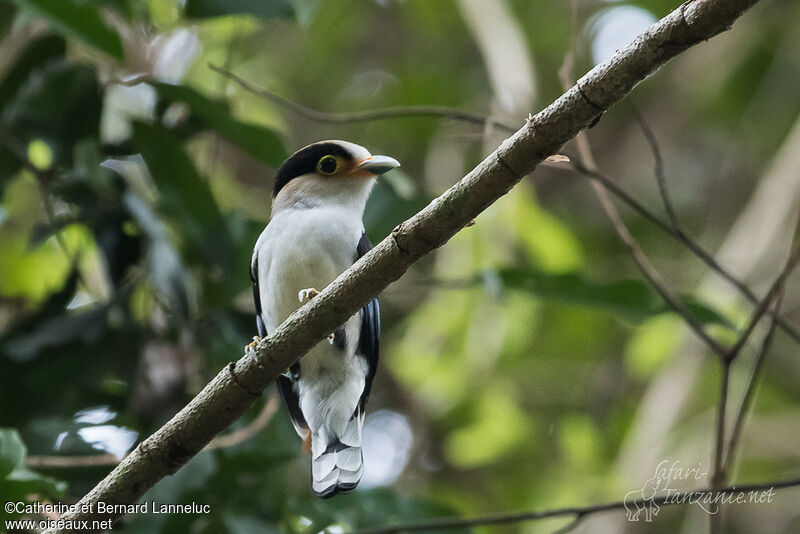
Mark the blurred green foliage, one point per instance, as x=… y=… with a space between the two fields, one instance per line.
x=134 y=182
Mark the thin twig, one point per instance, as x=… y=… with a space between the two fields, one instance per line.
x=765 y=303
x=776 y=292
x=572 y=525
x=750 y=389
x=725 y=380
x=687 y=241
x=243 y=434
x=718 y=476
x=649 y=271
x=236 y=437
x=90 y=460
x=639 y=256
x=658 y=169
x=672 y=498
x=364 y=115
x=43 y=177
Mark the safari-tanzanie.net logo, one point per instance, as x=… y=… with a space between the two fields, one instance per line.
x=659 y=490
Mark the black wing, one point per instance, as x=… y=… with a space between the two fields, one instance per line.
x=285 y=383
x=370 y=330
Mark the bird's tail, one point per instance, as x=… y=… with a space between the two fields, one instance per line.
x=336 y=463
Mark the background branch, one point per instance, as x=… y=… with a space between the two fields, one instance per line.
x=577 y=513
x=236 y=437
x=364 y=115
x=658 y=168
x=640 y=258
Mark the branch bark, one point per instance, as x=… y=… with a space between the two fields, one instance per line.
x=237 y=386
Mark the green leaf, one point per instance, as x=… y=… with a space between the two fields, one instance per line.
x=17 y=482
x=631 y=298
x=12 y=451
x=24 y=482
x=386 y=209
x=52 y=307
x=260 y=142
x=57 y=331
x=36 y=54
x=258 y=8
x=78 y=20
x=186 y=199
x=705 y=314
x=183 y=192
x=164 y=263
x=60 y=105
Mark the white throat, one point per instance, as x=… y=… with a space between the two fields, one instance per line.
x=313 y=191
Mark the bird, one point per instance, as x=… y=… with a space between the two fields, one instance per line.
x=315 y=233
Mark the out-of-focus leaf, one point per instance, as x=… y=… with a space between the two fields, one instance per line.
x=54 y=304
x=165 y=266
x=12 y=451
x=97 y=192
x=79 y=20
x=704 y=313
x=66 y=96
x=258 y=8
x=17 y=482
x=84 y=326
x=498 y=425
x=260 y=142
x=386 y=209
x=547 y=241
x=23 y=482
x=36 y=54
x=183 y=192
x=631 y=298
x=186 y=200
x=653 y=342
x=60 y=106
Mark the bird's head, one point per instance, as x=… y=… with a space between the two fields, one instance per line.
x=329 y=172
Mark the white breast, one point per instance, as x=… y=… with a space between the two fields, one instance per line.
x=299 y=249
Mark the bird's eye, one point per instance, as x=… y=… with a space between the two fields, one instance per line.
x=328 y=165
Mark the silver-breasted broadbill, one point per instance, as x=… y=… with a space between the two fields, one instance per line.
x=314 y=234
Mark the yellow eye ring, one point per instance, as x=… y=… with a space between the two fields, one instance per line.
x=329 y=165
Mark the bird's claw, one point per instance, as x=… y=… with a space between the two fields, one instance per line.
x=252 y=344
x=307 y=294
x=331 y=337
x=470 y=223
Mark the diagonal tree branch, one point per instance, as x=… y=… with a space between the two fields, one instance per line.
x=237 y=386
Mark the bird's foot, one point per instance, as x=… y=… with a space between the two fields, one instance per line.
x=307 y=294
x=252 y=344
x=470 y=223
x=331 y=337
